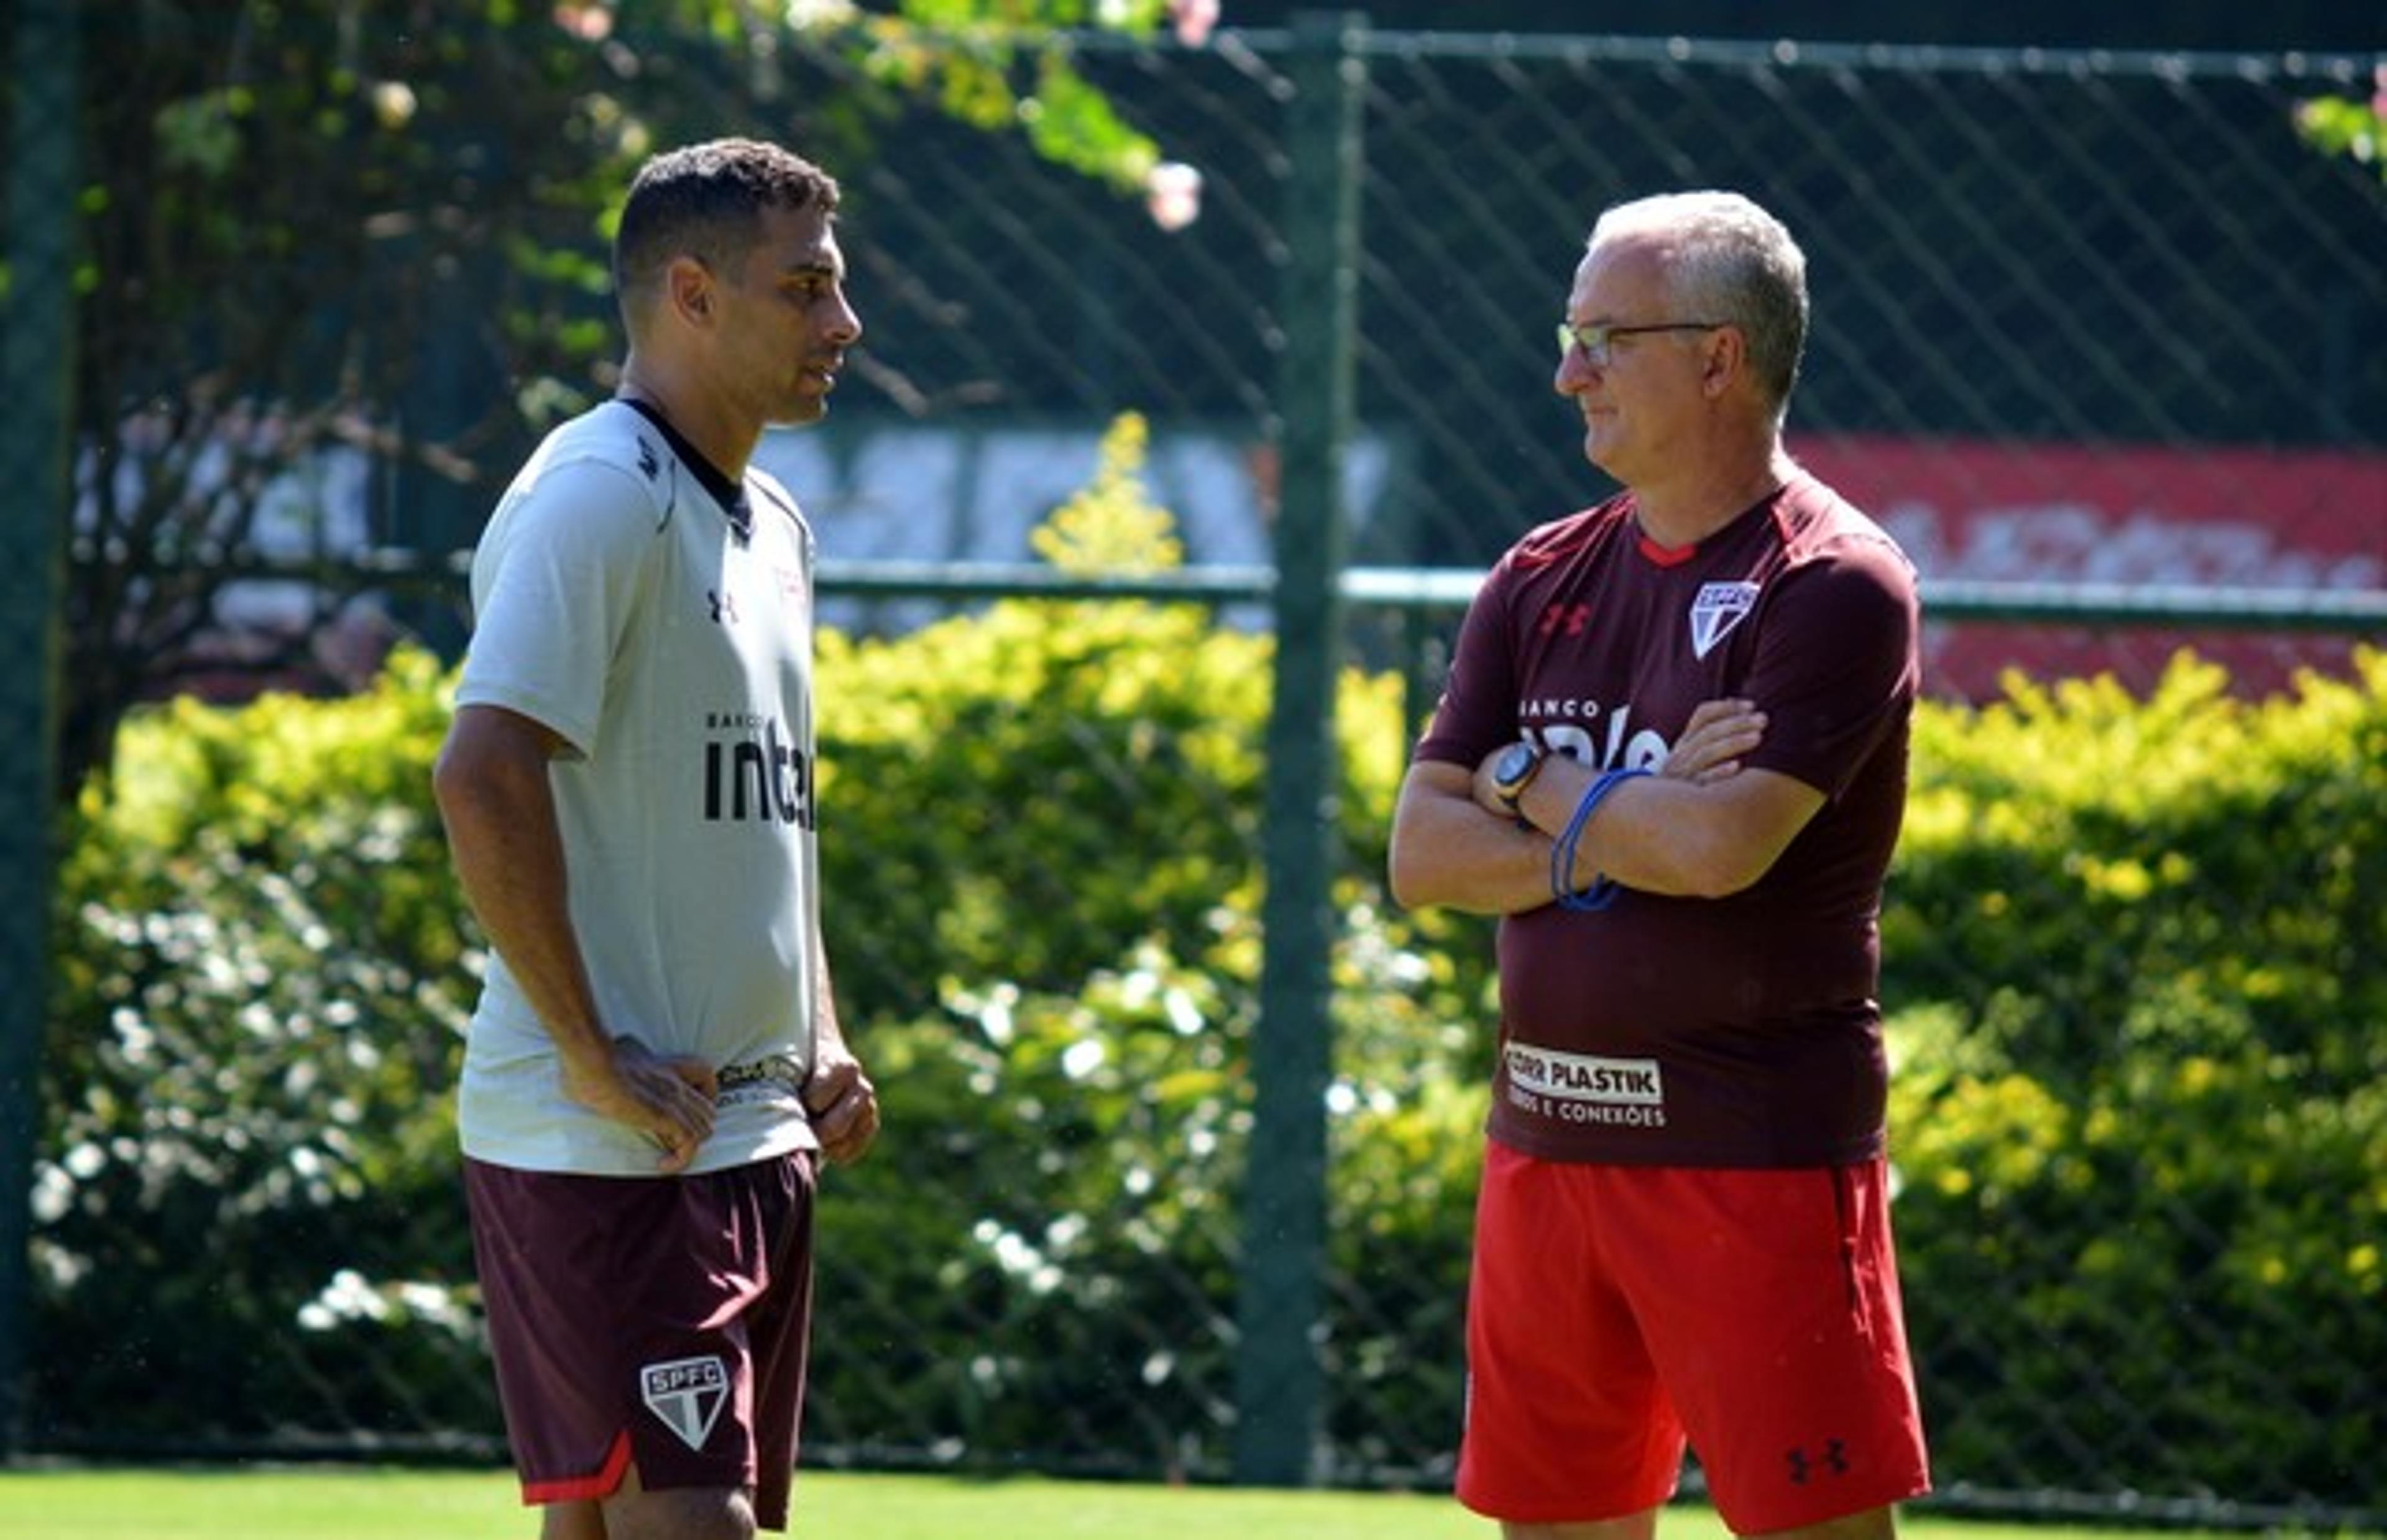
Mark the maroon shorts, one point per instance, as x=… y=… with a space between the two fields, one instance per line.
x=1616 y=1312
x=654 y=1321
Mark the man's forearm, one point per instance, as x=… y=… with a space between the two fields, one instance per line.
x=1669 y=836
x=509 y=861
x=1448 y=852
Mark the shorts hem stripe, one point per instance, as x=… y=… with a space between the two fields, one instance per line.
x=584 y=1489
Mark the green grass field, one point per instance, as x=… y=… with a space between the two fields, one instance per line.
x=239 y=1503
x=351 y=1504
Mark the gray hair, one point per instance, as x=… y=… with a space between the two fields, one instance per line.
x=1729 y=261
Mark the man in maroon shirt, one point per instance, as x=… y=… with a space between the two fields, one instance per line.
x=1672 y=755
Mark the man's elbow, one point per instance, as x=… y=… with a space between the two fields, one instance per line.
x=450 y=783
x=1721 y=868
x=1408 y=877
x=467 y=787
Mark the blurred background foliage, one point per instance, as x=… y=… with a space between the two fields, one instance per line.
x=2130 y=949
x=381 y=224
x=2138 y=1127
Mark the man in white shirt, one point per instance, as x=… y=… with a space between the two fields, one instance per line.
x=655 y=1065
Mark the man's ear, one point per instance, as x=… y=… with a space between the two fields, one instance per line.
x=687 y=289
x=1723 y=359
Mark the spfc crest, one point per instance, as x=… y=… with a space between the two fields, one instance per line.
x=1718 y=607
x=688 y=1394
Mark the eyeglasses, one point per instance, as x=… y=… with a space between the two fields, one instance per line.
x=1596 y=342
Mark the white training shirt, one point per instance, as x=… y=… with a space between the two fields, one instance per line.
x=615 y=601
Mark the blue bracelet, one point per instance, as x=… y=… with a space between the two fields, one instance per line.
x=1602 y=893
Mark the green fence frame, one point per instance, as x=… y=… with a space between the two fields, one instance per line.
x=36 y=354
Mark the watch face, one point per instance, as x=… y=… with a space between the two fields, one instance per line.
x=1517 y=759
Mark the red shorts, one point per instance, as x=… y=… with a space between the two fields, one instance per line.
x=657 y=1321
x=1615 y=1311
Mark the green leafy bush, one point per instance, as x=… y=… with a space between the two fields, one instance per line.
x=2138 y=958
x=2133 y=956
x=1040 y=829
x=1041 y=852
x=262 y=981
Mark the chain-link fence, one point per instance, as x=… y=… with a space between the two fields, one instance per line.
x=2078 y=318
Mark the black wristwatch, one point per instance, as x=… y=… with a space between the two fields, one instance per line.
x=1514 y=771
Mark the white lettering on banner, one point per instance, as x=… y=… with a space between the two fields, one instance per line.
x=975 y=494
x=2070 y=542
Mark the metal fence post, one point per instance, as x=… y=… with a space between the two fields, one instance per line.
x=36 y=347
x=1279 y=1384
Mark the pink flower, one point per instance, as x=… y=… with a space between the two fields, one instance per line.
x=1172 y=194
x=589 y=23
x=1194 y=18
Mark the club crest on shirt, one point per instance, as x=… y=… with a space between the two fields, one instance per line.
x=1718 y=607
x=687 y=1395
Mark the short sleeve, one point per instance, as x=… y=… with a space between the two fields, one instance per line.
x=1837 y=666
x=1477 y=711
x=555 y=585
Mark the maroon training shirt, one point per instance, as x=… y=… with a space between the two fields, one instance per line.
x=1740 y=1032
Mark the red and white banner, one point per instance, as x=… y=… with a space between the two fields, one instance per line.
x=1981 y=511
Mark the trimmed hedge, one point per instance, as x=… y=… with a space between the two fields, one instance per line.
x=2140 y=954
x=246 y=1210
x=2134 y=957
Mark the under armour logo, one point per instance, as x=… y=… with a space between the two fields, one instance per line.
x=646 y=460
x=687 y=1395
x=724 y=605
x=1569 y=618
x=1835 y=1461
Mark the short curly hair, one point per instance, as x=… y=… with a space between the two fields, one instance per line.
x=706 y=201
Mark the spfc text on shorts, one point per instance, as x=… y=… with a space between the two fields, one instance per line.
x=688 y=1394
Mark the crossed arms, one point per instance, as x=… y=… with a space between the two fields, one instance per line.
x=1702 y=826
